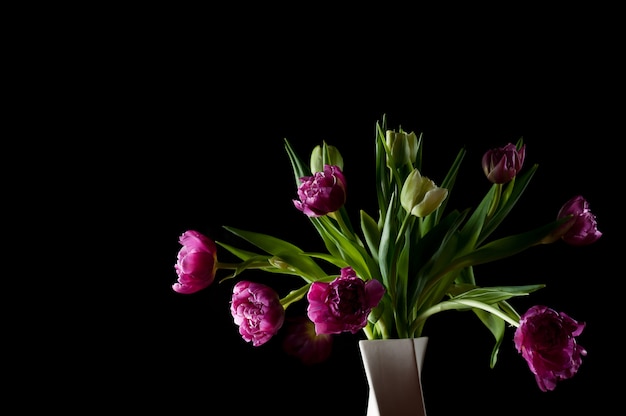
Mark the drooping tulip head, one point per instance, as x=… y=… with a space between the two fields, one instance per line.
x=547 y=341
x=196 y=262
x=582 y=229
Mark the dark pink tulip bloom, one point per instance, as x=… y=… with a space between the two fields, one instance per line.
x=196 y=264
x=547 y=341
x=322 y=193
x=582 y=229
x=343 y=304
x=503 y=163
x=302 y=342
x=256 y=308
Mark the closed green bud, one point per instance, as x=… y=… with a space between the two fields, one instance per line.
x=403 y=147
x=280 y=263
x=325 y=155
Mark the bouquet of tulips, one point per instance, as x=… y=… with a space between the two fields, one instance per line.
x=413 y=258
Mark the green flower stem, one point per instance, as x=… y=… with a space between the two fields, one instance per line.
x=495 y=202
x=421 y=226
x=382 y=329
x=403 y=227
x=294 y=296
x=254 y=265
x=433 y=286
x=368 y=332
x=455 y=304
x=347 y=231
x=488 y=308
x=387 y=158
x=392 y=274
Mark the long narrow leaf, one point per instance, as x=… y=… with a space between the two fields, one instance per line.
x=300 y=168
x=283 y=249
x=505 y=247
x=521 y=182
x=370 y=230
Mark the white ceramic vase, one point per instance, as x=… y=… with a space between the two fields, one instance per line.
x=393 y=369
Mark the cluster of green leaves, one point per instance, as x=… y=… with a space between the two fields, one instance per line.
x=425 y=264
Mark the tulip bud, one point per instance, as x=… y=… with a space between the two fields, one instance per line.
x=325 y=155
x=280 y=263
x=502 y=164
x=403 y=147
x=420 y=196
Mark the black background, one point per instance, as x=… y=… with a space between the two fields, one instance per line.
x=190 y=131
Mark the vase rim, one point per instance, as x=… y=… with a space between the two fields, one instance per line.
x=393 y=339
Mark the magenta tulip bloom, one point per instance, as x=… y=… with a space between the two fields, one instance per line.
x=196 y=264
x=256 y=308
x=582 y=229
x=343 y=304
x=302 y=342
x=547 y=341
x=503 y=163
x=322 y=193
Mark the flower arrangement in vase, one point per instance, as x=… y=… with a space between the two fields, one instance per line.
x=413 y=258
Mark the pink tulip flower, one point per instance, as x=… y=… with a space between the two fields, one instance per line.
x=547 y=341
x=322 y=193
x=256 y=308
x=582 y=229
x=503 y=163
x=196 y=263
x=343 y=304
